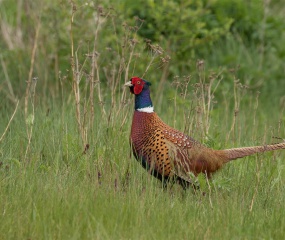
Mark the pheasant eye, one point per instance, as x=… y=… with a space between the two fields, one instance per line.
x=138 y=82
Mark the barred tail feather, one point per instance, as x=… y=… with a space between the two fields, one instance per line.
x=234 y=153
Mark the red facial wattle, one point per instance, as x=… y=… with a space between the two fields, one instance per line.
x=138 y=85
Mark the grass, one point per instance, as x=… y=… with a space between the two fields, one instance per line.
x=60 y=193
x=66 y=171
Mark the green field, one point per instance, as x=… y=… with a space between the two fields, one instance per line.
x=66 y=169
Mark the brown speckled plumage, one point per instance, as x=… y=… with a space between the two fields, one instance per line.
x=169 y=154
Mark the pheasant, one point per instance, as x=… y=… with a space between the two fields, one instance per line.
x=169 y=154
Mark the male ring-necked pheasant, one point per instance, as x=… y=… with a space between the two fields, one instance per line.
x=170 y=154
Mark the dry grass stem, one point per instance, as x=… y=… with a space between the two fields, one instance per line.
x=31 y=117
x=31 y=68
x=8 y=125
x=236 y=109
x=258 y=167
x=11 y=94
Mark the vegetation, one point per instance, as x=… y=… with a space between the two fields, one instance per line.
x=66 y=171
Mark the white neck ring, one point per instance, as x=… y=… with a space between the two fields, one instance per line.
x=146 y=109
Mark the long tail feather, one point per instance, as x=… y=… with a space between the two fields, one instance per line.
x=235 y=153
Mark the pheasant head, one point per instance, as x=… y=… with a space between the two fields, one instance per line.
x=140 y=88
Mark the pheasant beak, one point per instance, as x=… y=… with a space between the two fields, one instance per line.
x=128 y=84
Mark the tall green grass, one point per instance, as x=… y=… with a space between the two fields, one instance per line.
x=58 y=192
x=61 y=193
x=66 y=169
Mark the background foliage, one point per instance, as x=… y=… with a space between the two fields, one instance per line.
x=224 y=33
x=217 y=73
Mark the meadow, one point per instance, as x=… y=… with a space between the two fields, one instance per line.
x=66 y=169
